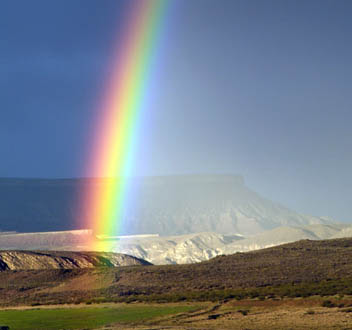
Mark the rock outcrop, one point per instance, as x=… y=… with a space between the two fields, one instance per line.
x=25 y=260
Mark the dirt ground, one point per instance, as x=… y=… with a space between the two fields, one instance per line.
x=256 y=315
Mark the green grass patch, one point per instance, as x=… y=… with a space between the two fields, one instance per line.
x=89 y=317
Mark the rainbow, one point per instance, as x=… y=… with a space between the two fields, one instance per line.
x=116 y=128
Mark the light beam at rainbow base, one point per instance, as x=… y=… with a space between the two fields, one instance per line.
x=117 y=125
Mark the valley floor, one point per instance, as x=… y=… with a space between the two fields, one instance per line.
x=250 y=314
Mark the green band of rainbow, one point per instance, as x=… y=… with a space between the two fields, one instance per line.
x=113 y=143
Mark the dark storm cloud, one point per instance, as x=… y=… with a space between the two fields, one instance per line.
x=260 y=88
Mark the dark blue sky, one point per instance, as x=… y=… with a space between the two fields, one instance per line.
x=259 y=88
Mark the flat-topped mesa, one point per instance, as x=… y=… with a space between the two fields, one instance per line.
x=199 y=178
x=35 y=260
x=167 y=205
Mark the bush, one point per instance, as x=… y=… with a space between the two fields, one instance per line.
x=340 y=305
x=328 y=303
x=244 y=312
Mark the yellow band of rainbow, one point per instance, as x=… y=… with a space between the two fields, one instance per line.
x=112 y=148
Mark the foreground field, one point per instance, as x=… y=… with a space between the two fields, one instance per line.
x=302 y=285
x=275 y=314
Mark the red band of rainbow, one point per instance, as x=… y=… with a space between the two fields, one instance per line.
x=111 y=154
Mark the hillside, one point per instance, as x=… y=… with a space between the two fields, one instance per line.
x=304 y=268
x=302 y=261
x=25 y=260
x=170 y=205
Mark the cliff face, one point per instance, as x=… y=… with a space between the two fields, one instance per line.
x=178 y=249
x=24 y=260
x=203 y=246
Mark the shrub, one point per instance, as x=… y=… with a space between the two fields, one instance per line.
x=328 y=303
x=244 y=312
x=340 y=305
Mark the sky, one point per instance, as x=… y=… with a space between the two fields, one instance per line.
x=257 y=88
